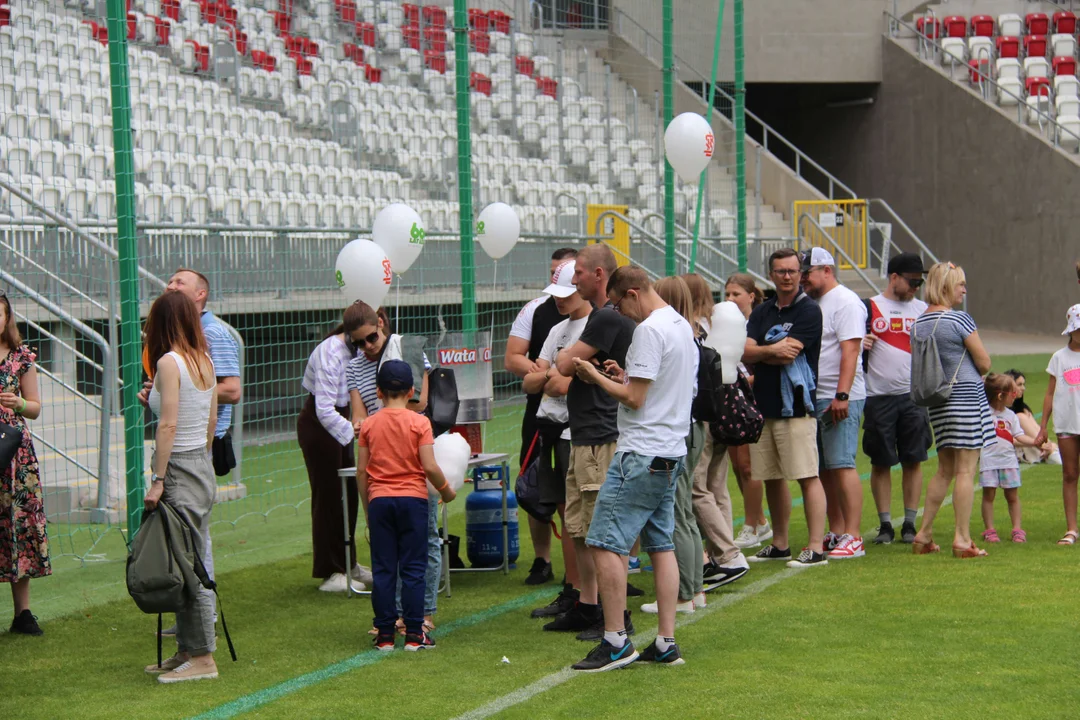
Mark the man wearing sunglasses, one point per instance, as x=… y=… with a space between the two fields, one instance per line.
x=895 y=429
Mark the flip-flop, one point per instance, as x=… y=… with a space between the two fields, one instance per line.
x=1069 y=538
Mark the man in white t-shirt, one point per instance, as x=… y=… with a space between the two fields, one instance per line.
x=654 y=392
x=895 y=429
x=841 y=394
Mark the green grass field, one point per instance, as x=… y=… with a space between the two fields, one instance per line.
x=891 y=635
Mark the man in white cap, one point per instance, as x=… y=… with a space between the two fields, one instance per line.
x=841 y=394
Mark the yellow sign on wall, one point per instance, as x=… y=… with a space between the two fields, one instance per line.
x=613 y=231
x=843 y=226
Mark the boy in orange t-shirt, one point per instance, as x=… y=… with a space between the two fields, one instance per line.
x=395 y=456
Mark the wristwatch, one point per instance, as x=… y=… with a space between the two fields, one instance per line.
x=155 y=478
x=842 y=397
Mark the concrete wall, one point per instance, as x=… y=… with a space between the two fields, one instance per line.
x=786 y=40
x=976 y=187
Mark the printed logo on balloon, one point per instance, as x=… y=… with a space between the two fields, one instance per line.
x=689 y=145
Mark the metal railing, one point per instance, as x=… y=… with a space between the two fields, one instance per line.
x=806 y=217
x=639 y=37
x=929 y=49
x=890 y=242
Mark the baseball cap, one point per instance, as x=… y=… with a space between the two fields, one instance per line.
x=906 y=263
x=394 y=376
x=1072 y=320
x=562 y=281
x=816 y=257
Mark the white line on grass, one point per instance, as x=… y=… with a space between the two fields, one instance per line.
x=555 y=679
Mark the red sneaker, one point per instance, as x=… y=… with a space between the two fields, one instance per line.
x=423 y=641
x=847 y=547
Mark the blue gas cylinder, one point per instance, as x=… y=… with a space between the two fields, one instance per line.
x=484 y=519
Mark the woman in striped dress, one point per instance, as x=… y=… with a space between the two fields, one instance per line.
x=962 y=425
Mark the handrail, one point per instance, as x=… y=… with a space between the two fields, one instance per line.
x=752 y=273
x=657 y=244
x=801 y=158
x=106 y=354
x=840 y=251
x=923 y=249
x=68 y=286
x=985 y=78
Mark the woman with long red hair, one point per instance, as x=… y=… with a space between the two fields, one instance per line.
x=185 y=402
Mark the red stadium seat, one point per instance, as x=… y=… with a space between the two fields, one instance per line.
x=162 y=27
x=202 y=55
x=209 y=11
x=1038 y=86
x=410 y=36
x=1065 y=22
x=434 y=16
x=412 y=13
x=100 y=32
x=303 y=65
x=480 y=83
x=977 y=66
x=347 y=12
x=1008 y=47
x=372 y=74
x=955 y=26
x=927 y=28
x=263 y=60
x=365 y=33
x=1036 y=24
x=547 y=86
x=5 y=16
x=354 y=53
x=982 y=26
x=1064 y=65
x=283 y=22
x=435 y=39
x=1035 y=46
x=498 y=21
x=226 y=12
x=478 y=19
x=132 y=25
x=435 y=61
x=480 y=41
x=525 y=65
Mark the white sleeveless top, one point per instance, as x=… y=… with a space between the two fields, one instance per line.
x=193 y=412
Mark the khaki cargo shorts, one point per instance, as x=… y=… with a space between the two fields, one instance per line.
x=588 y=468
x=787 y=450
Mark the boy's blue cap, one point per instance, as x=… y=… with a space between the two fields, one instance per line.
x=394 y=376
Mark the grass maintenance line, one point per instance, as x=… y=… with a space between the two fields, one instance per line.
x=268 y=695
x=555 y=679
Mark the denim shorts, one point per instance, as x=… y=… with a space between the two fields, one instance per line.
x=838 y=442
x=635 y=501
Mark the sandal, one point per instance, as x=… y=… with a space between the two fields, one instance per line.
x=971 y=551
x=990 y=535
x=1019 y=536
x=925 y=548
x=1069 y=538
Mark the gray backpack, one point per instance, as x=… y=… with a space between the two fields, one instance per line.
x=929 y=388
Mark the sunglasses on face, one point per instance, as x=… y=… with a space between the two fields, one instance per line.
x=369 y=339
x=915 y=283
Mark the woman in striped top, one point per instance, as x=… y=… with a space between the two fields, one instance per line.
x=376 y=344
x=962 y=425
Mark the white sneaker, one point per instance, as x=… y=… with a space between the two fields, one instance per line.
x=847 y=547
x=363 y=574
x=337 y=583
x=764 y=533
x=683 y=607
x=699 y=601
x=739 y=561
x=748 y=537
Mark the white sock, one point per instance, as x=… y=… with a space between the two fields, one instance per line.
x=616 y=639
x=664 y=643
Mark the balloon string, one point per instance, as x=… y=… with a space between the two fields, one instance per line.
x=397 y=303
x=495 y=289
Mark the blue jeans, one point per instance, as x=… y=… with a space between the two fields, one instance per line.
x=434 y=563
x=838 y=442
x=397 y=526
x=637 y=498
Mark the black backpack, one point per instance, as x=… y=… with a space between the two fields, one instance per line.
x=710 y=398
x=728 y=410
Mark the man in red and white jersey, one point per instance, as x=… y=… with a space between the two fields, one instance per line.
x=895 y=429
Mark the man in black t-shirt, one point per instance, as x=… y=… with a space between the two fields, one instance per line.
x=594 y=426
x=783 y=339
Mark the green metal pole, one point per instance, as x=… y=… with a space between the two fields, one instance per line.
x=128 y=250
x=740 y=137
x=669 y=114
x=461 y=69
x=708 y=118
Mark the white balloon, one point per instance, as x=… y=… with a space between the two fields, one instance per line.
x=452 y=453
x=364 y=272
x=727 y=336
x=399 y=231
x=497 y=229
x=688 y=143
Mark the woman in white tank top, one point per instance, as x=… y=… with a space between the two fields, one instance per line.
x=185 y=402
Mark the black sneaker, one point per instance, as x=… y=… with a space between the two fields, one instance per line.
x=578 y=618
x=671 y=656
x=415 y=643
x=885 y=534
x=632 y=591
x=596 y=632
x=606 y=656
x=770 y=552
x=540 y=572
x=907 y=532
x=714 y=576
x=26 y=624
x=565 y=600
x=384 y=642
x=809 y=558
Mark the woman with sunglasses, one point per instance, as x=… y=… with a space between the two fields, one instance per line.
x=377 y=344
x=326 y=436
x=24 y=547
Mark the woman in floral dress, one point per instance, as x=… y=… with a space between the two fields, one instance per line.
x=24 y=547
